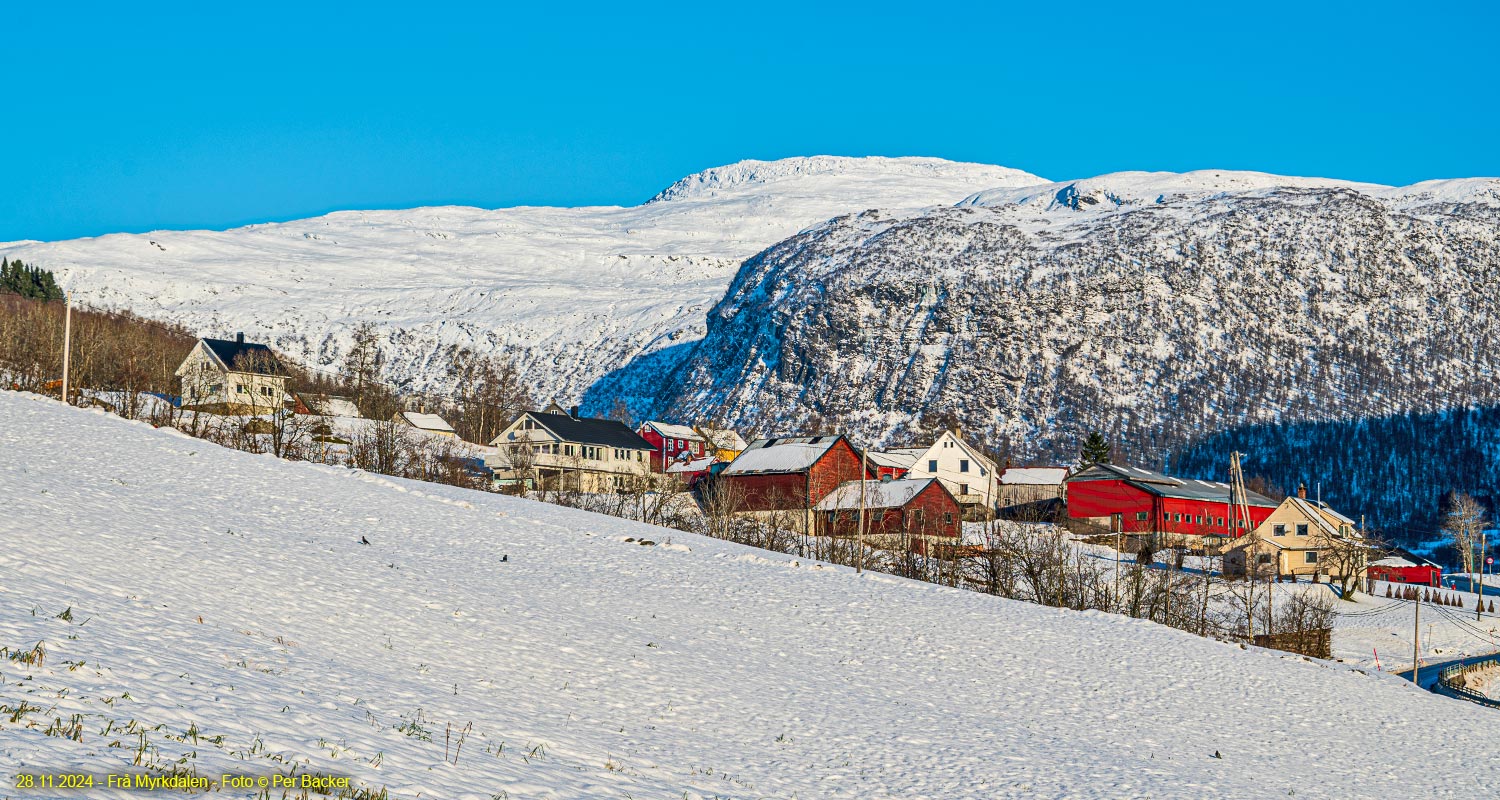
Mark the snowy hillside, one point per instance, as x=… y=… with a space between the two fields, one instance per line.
x=1152 y=306
x=574 y=291
x=213 y=611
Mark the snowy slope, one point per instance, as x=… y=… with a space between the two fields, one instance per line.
x=575 y=291
x=226 y=594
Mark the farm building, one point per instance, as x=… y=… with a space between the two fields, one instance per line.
x=1140 y=502
x=1406 y=568
x=910 y=512
x=672 y=444
x=789 y=474
x=1024 y=485
x=891 y=463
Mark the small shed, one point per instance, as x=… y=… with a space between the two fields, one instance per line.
x=1397 y=569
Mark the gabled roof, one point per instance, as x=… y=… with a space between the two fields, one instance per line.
x=1167 y=486
x=327 y=405
x=670 y=431
x=426 y=422
x=586 y=430
x=1034 y=476
x=877 y=494
x=781 y=455
x=239 y=356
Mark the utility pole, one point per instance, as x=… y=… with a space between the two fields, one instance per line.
x=1479 y=592
x=859 y=537
x=1416 y=642
x=67 y=341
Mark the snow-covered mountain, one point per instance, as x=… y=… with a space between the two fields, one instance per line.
x=204 y=612
x=573 y=292
x=1156 y=307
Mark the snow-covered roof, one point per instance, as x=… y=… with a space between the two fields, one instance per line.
x=1034 y=476
x=670 y=431
x=1392 y=561
x=787 y=454
x=892 y=458
x=331 y=406
x=877 y=494
x=427 y=422
x=696 y=465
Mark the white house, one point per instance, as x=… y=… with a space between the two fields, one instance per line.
x=969 y=475
x=221 y=376
x=564 y=450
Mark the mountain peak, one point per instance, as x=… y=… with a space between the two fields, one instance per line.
x=835 y=171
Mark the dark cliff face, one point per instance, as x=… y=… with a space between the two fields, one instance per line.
x=1158 y=324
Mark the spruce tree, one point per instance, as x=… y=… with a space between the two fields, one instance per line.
x=1095 y=450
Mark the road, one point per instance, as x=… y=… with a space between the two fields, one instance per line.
x=1429 y=672
x=1461 y=583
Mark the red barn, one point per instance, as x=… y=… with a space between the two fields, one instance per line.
x=1138 y=501
x=916 y=509
x=1400 y=570
x=672 y=444
x=789 y=472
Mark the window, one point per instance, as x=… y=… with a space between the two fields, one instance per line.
x=1278 y=530
x=1312 y=556
x=932 y=466
x=1302 y=529
x=1200 y=519
x=266 y=390
x=1219 y=521
x=216 y=388
x=947 y=517
x=1140 y=516
x=916 y=516
x=963 y=465
x=963 y=488
x=567 y=449
x=239 y=388
x=1176 y=517
x=1263 y=559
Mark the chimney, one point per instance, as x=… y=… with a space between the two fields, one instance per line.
x=573 y=412
x=239 y=338
x=1301 y=491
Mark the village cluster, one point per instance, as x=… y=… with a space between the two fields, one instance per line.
x=909 y=498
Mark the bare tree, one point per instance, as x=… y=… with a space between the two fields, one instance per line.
x=1464 y=522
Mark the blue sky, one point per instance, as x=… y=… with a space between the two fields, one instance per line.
x=129 y=117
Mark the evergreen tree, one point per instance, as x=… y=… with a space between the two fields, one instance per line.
x=1095 y=450
x=31 y=282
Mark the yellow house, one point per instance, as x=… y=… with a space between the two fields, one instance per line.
x=1301 y=537
x=725 y=442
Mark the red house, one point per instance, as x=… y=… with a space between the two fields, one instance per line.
x=672 y=444
x=1138 y=501
x=916 y=510
x=790 y=472
x=1400 y=570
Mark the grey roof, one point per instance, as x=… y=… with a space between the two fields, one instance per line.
x=245 y=356
x=585 y=430
x=1167 y=486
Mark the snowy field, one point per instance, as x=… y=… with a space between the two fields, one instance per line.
x=218 y=614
